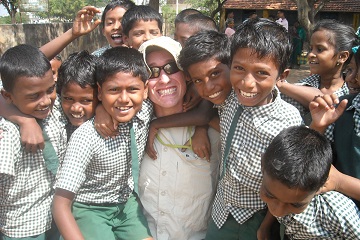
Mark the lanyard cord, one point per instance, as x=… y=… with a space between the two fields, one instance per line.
x=175 y=145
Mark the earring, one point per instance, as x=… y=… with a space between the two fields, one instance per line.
x=337 y=64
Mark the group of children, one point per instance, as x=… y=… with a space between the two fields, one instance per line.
x=75 y=178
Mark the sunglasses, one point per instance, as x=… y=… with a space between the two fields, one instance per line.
x=169 y=68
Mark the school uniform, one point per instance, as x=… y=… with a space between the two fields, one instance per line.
x=100 y=51
x=238 y=189
x=25 y=181
x=99 y=172
x=328 y=216
x=311 y=81
x=177 y=189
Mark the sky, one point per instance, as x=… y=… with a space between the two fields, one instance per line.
x=3 y=11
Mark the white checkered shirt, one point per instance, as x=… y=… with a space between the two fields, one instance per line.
x=238 y=191
x=25 y=183
x=100 y=51
x=98 y=170
x=312 y=81
x=328 y=216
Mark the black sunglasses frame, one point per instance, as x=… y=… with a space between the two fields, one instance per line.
x=169 y=68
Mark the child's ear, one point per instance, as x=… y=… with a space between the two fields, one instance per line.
x=343 y=56
x=146 y=90
x=284 y=75
x=7 y=96
x=99 y=92
x=125 y=40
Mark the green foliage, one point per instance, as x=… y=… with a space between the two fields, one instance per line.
x=7 y=19
x=169 y=15
x=204 y=6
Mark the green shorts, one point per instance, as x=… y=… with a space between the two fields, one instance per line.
x=233 y=230
x=120 y=221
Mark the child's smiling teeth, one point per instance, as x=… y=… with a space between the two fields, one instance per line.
x=215 y=95
x=77 y=115
x=123 y=108
x=168 y=91
x=247 y=95
x=44 y=109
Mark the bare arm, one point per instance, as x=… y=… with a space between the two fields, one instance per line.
x=303 y=94
x=82 y=25
x=30 y=131
x=63 y=217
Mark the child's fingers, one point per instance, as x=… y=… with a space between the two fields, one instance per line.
x=341 y=107
x=151 y=151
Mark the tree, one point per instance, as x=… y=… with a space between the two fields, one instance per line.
x=210 y=8
x=11 y=7
x=307 y=10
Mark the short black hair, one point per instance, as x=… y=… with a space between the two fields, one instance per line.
x=181 y=15
x=137 y=13
x=200 y=22
x=204 y=46
x=341 y=36
x=22 y=61
x=266 y=38
x=299 y=157
x=121 y=59
x=126 y=4
x=79 y=68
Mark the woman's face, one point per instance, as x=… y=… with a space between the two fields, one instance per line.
x=352 y=76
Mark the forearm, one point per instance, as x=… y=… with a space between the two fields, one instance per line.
x=215 y=123
x=303 y=94
x=349 y=186
x=55 y=46
x=63 y=217
x=11 y=113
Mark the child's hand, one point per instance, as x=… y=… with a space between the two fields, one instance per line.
x=104 y=124
x=323 y=111
x=83 y=22
x=31 y=136
x=191 y=98
x=201 y=143
x=150 y=150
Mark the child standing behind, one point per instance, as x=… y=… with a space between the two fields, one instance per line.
x=78 y=89
x=330 y=47
x=260 y=52
x=295 y=165
x=94 y=196
x=141 y=23
x=26 y=179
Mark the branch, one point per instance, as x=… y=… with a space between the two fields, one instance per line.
x=219 y=7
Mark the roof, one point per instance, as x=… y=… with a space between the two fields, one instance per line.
x=331 y=6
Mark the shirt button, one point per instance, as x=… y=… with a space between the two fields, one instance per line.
x=165 y=149
x=160 y=231
x=231 y=155
x=163 y=193
x=162 y=213
x=228 y=204
x=163 y=173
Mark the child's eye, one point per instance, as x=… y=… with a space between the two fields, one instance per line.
x=133 y=89
x=67 y=98
x=196 y=81
x=268 y=195
x=51 y=90
x=298 y=205
x=214 y=74
x=239 y=68
x=87 y=101
x=262 y=73
x=319 y=50
x=109 y=23
x=155 y=33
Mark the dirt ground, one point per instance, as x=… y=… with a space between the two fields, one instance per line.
x=297 y=74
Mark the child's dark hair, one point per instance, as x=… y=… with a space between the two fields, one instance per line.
x=266 y=38
x=200 y=22
x=181 y=15
x=341 y=36
x=121 y=59
x=126 y=4
x=137 y=13
x=22 y=61
x=298 y=157
x=204 y=46
x=79 y=68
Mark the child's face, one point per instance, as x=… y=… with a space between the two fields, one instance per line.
x=122 y=95
x=211 y=79
x=34 y=96
x=282 y=200
x=352 y=77
x=322 y=58
x=55 y=64
x=112 y=26
x=182 y=32
x=254 y=78
x=141 y=32
x=167 y=90
x=78 y=103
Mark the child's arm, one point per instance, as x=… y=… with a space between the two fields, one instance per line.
x=323 y=112
x=192 y=97
x=343 y=183
x=82 y=25
x=264 y=231
x=63 y=217
x=199 y=116
x=30 y=131
x=200 y=142
x=303 y=94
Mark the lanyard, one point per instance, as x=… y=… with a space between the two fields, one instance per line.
x=175 y=145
